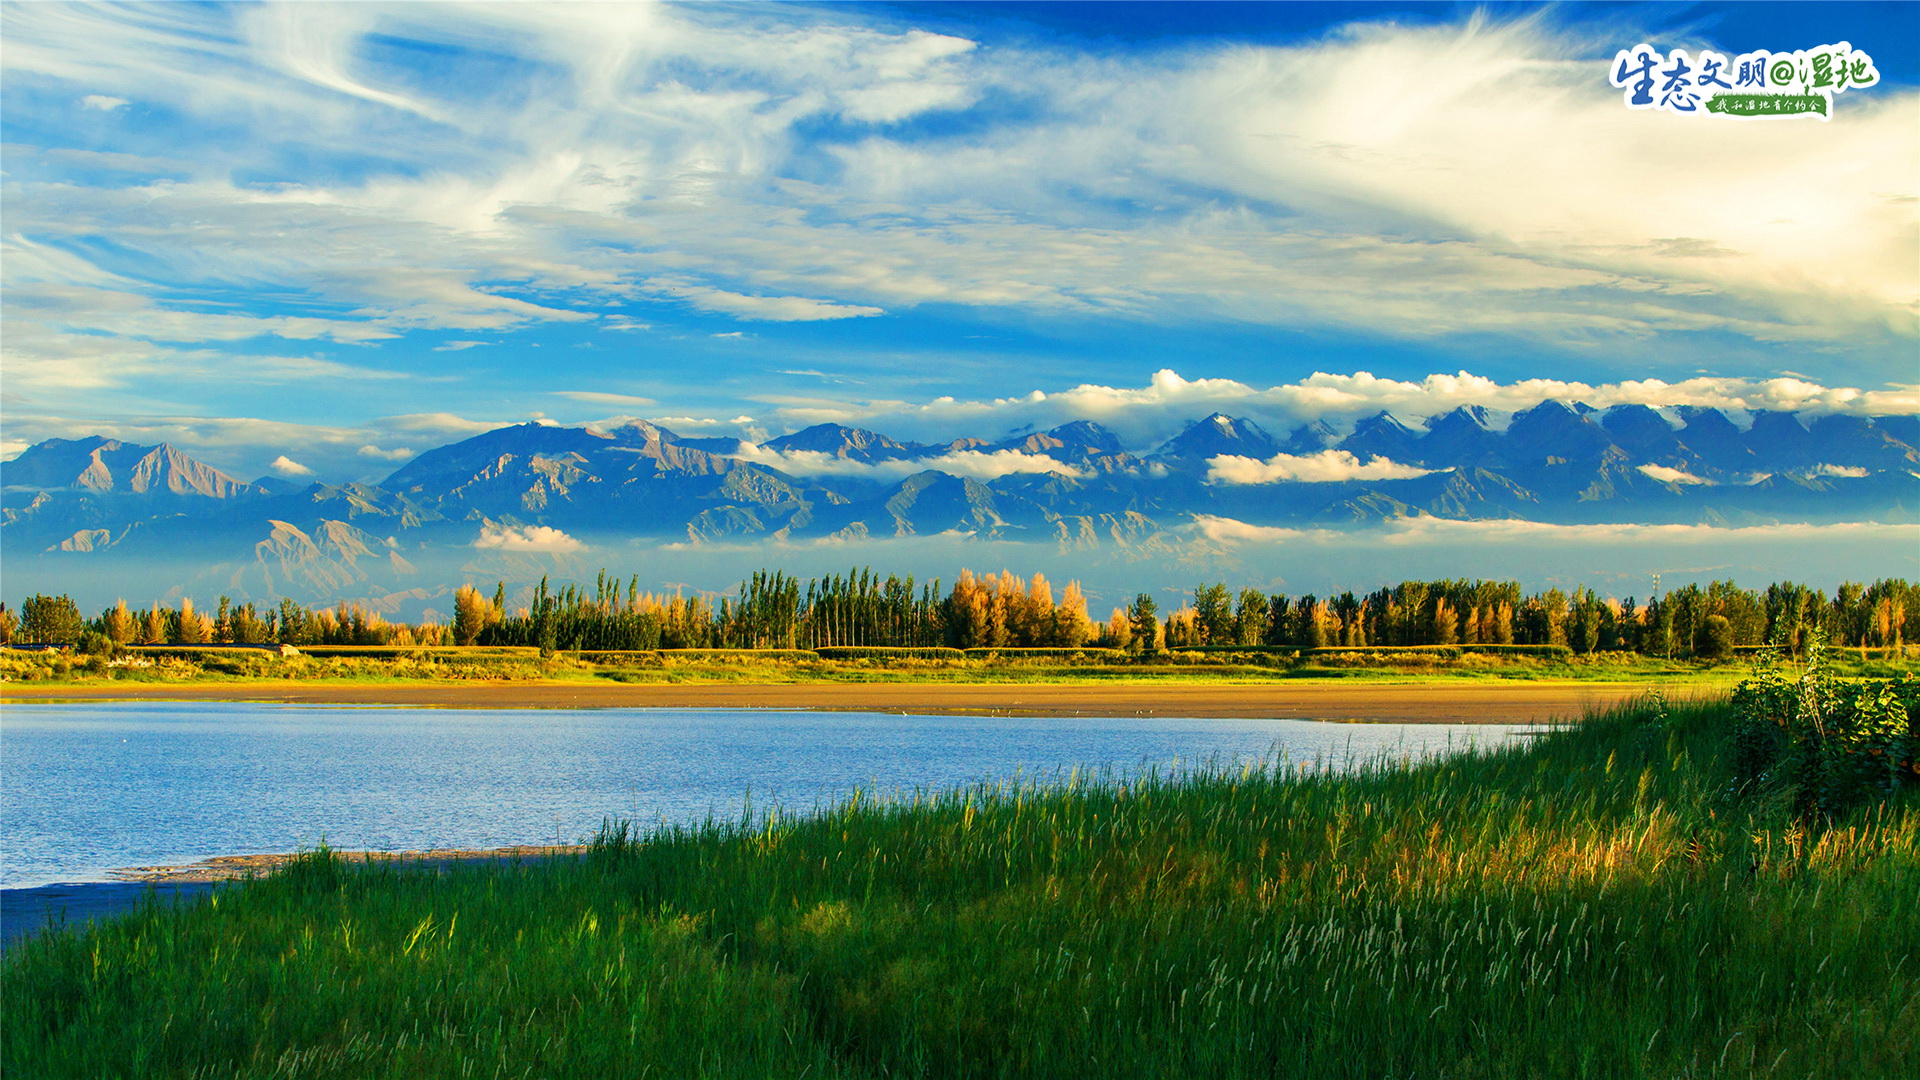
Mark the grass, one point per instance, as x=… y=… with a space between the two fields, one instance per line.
x=1590 y=904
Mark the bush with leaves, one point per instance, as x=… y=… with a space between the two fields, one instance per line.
x=1826 y=743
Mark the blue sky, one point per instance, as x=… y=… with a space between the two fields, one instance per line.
x=332 y=235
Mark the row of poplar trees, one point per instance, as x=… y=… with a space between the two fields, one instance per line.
x=775 y=610
x=1689 y=621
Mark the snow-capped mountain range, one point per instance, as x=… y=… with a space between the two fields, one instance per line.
x=535 y=487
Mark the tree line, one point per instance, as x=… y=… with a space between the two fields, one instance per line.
x=775 y=610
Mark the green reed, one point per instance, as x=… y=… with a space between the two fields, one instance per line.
x=1592 y=903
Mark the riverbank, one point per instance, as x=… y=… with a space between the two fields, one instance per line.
x=1593 y=902
x=32 y=910
x=1405 y=703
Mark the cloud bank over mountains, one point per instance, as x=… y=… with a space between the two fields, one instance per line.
x=1141 y=416
x=1157 y=409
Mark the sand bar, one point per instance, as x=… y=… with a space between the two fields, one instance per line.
x=1404 y=703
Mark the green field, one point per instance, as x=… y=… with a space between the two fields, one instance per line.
x=1595 y=903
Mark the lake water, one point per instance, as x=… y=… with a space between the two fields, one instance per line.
x=93 y=787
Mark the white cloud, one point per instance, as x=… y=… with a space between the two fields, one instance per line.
x=1327 y=466
x=398 y=453
x=1386 y=177
x=286 y=466
x=1668 y=475
x=441 y=424
x=763 y=308
x=103 y=103
x=1146 y=415
x=1853 y=471
x=597 y=397
x=1423 y=532
x=971 y=464
x=1232 y=532
x=525 y=538
x=696 y=423
x=457 y=346
x=978 y=465
x=1417 y=531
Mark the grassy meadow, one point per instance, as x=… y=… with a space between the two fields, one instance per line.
x=1597 y=902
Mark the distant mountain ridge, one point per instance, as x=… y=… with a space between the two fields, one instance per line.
x=108 y=465
x=1074 y=485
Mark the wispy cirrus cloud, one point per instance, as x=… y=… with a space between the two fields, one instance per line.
x=1382 y=178
x=764 y=308
x=598 y=397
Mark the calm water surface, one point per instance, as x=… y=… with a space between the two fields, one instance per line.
x=93 y=787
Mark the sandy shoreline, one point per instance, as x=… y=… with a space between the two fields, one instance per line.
x=237 y=867
x=1407 y=703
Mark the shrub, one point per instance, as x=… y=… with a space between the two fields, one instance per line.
x=1557 y=652
x=1716 y=638
x=1827 y=743
x=888 y=652
x=95 y=643
x=1383 y=652
x=1040 y=652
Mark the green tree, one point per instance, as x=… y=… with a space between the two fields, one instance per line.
x=294 y=623
x=1716 y=637
x=1250 y=618
x=1143 y=618
x=51 y=619
x=1279 y=620
x=1213 y=614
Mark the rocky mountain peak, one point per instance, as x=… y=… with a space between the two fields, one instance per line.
x=841 y=441
x=1220 y=434
x=109 y=466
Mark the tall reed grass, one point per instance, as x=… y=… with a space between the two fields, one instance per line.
x=1594 y=903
